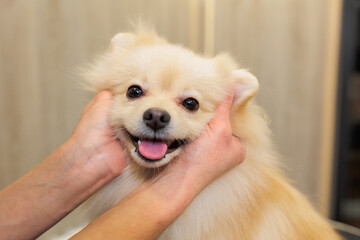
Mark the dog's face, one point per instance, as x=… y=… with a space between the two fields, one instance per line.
x=164 y=95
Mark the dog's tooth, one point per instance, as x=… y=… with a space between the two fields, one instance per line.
x=139 y=142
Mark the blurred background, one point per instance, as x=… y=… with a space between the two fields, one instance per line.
x=305 y=53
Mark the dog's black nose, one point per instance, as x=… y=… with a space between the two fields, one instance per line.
x=156 y=118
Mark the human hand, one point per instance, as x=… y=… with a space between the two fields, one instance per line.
x=214 y=152
x=72 y=173
x=89 y=159
x=92 y=146
x=158 y=202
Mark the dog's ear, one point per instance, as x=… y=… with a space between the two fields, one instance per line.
x=121 y=41
x=246 y=86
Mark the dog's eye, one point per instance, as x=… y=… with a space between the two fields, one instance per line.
x=134 y=92
x=190 y=104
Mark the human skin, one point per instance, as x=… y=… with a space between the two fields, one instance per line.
x=151 y=208
x=92 y=157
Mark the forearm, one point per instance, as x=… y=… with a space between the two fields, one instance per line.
x=45 y=195
x=82 y=165
x=151 y=208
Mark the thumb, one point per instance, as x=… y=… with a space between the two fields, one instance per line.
x=223 y=110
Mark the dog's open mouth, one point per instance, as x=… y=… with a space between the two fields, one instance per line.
x=154 y=149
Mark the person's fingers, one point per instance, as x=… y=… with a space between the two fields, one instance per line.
x=103 y=103
x=99 y=105
x=103 y=96
x=102 y=100
x=219 y=126
x=223 y=110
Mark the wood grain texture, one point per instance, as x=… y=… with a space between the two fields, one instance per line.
x=42 y=42
x=283 y=42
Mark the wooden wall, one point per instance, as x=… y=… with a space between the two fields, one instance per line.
x=292 y=47
x=286 y=43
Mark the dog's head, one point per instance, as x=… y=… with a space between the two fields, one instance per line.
x=164 y=94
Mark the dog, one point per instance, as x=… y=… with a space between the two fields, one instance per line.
x=168 y=93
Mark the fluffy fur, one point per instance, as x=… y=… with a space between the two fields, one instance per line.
x=252 y=201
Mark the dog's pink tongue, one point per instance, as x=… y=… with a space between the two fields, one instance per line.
x=152 y=150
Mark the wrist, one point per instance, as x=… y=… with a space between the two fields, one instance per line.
x=175 y=189
x=78 y=170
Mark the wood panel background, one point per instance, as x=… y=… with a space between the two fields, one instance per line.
x=284 y=42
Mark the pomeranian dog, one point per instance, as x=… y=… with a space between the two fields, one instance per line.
x=164 y=95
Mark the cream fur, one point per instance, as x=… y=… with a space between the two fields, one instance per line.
x=252 y=201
